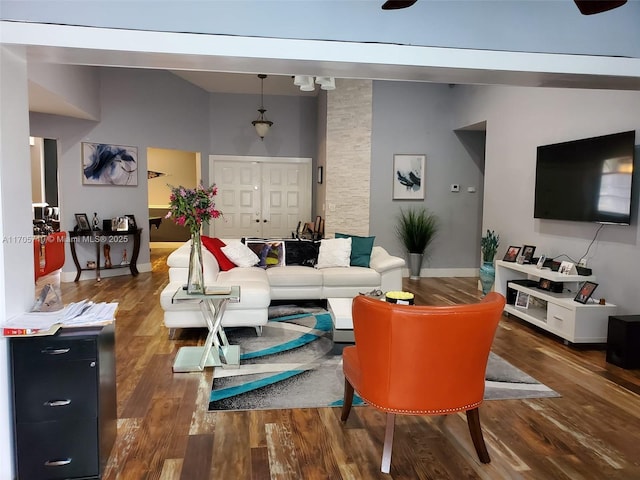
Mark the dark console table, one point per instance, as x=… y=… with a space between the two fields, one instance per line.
x=100 y=238
x=64 y=400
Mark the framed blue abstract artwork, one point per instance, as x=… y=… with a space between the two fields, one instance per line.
x=408 y=177
x=104 y=164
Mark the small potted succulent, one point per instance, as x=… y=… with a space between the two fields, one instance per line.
x=489 y=245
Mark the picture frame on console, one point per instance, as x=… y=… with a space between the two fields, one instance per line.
x=527 y=252
x=122 y=224
x=131 y=221
x=82 y=222
x=512 y=253
x=544 y=284
x=585 y=292
x=522 y=300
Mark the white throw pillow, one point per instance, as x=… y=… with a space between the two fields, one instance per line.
x=240 y=254
x=334 y=252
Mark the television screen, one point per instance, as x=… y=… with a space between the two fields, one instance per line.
x=588 y=180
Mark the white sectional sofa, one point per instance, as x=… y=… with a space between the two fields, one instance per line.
x=259 y=286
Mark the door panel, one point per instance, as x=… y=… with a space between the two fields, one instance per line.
x=239 y=195
x=263 y=199
x=284 y=182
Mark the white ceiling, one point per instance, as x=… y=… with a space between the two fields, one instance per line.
x=231 y=64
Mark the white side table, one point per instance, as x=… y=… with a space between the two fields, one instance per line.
x=212 y=306
x=340 y=309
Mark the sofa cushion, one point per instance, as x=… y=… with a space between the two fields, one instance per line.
x=354 y=276
x=214 y=245
x=294 y=276
x=334 y=252
x=240 y=254
x=270 y=253
x=360 y=249
x=238 y=275
x=301 y=252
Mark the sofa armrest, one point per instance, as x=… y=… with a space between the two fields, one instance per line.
x=382 y=262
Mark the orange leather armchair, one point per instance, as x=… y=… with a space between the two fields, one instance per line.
x=51 y=257
x=421 y=360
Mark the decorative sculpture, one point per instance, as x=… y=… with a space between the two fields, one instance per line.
x=107 y=256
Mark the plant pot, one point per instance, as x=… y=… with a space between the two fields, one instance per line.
x=487 y=276
x=415 y=265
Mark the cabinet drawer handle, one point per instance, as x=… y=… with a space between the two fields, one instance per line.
x=57 y=463
x=55 y=351
x=558 y=317
x=57 y=403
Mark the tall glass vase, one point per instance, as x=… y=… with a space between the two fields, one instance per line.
x=195 y=280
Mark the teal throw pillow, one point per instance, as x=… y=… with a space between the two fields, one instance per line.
x=360 y=249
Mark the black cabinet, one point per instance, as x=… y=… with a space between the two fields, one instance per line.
x=64 y=398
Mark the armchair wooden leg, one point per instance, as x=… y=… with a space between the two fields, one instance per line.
x=388 y=443
x=473 y=420
x=348 y=400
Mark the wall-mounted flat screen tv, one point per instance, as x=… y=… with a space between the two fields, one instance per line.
x=588 y=180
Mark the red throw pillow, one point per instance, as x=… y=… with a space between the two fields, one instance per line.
x=214 y=245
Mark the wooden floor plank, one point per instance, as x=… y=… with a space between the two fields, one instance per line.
x=165 y=431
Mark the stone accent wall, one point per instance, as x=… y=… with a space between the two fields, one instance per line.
x=348 y=157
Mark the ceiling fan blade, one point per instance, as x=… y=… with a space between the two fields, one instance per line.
x=589 y=7
x=397 y=4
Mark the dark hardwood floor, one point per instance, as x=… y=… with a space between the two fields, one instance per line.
x=165 y=431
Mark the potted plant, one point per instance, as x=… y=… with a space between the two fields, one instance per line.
x=489 y=245
x=416 y=228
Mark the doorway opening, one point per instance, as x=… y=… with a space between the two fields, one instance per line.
x=168 y=168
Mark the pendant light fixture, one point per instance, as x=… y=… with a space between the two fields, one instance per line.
x=261 y=125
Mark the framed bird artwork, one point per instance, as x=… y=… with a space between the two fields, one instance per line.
x=408 y=177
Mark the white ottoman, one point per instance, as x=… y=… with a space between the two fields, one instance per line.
x=340 y=309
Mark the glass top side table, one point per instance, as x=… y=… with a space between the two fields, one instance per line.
x=216 y=351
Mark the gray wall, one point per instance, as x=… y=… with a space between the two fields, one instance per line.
x=152 y=108
x=518 y=120
x=141 y=108
x=416 y=118
x=552 y=26
x=293 y=133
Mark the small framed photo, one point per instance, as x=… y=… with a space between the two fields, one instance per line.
x=585 y=292
x=527 y=252
x=567 y=268
x=522 y=300
x=541 y=260
x=544 y=284
x=122 y=224
x=408 y=177
x=83 y=222
x=512 y=254
x=132 y=221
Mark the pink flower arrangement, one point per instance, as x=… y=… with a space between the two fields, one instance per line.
x=191 y=207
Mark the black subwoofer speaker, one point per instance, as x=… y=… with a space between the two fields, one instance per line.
x=623 y=341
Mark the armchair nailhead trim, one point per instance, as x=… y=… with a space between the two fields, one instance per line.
x=443 y=411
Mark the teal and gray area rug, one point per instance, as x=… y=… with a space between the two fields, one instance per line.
x=295 y=364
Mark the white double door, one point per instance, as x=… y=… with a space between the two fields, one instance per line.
x=262 y=197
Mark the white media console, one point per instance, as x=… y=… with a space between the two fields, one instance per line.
x=557 y=313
